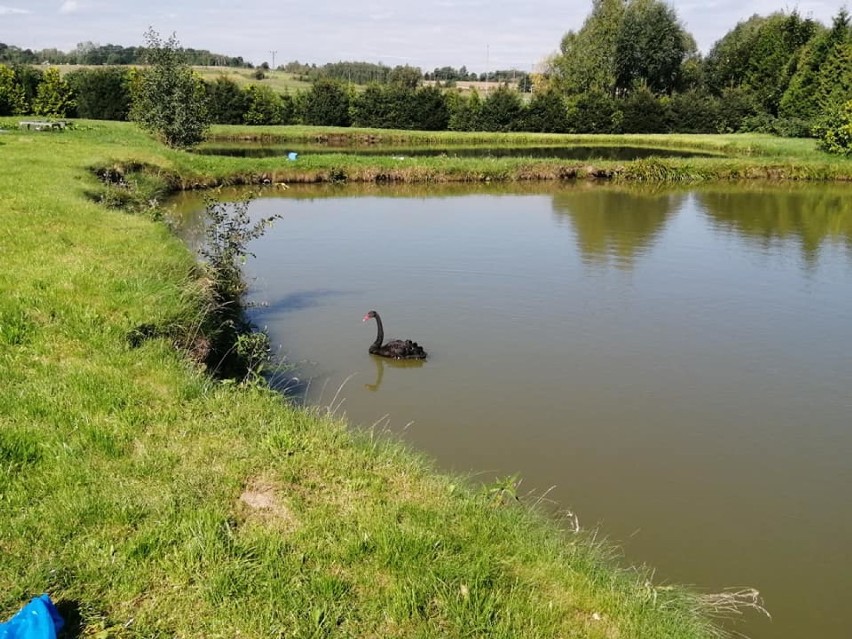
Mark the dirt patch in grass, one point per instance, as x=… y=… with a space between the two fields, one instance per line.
x=262 y=502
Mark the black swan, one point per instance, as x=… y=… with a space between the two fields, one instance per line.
x=396 y=349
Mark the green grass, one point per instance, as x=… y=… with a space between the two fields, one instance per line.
x=161 y=503
x=278 y=81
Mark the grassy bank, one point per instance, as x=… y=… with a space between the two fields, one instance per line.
x=151 y=501
x=734 y=157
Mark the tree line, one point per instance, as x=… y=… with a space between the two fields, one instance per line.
x=89 y=53
x=630 y=68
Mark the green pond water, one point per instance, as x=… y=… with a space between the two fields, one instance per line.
x=672 y=365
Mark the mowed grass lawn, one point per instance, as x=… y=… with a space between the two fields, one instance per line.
x=154 y=501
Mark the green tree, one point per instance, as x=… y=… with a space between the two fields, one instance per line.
x=727 y=63
x=327 y=104
x=431 y=111
x=800 y=98
x=643 y=113
x=760 y=54
x=29 y=77
x=15 y=55
x=288 y=108
x=371 y=108
x=501 y=110
x=545 y=113
x=694 y=111
x=464 y=111
x=53 y=97
x=405 y=76
x=298 y=103
x=402 y=101
x=169 y=100
x=263 y=106
x=587 y=58
x=12 y=100
x=101 y=94
x=736 y=106
x=594 y=112
x=226 y=101
x=775 y=50
x=834 y=86
x=396 y=106
x=650 y=48
x=623 y=44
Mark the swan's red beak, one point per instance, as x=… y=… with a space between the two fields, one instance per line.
x=366 y=317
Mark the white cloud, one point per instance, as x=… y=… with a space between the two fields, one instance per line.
x=477 y=33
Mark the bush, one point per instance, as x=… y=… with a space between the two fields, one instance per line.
x=53 y=98
x=834 y=131
x=236 y=350
x=430 y=110
x=327 y=104
x=737 y=106
x=12 y=98
x=373 y=108
x=263 y=106
x=101 y=94
x=545 y=113
x=793 y=127
x=226 y=101
x=594 y=112
x=643 y=113
x=693 y=112
x=29 y=77
x=289 y=108
x=501 y=110
x=758 y=123
x=464 y=111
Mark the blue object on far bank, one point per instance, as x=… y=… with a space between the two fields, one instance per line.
x=39 y=619
x=292 y=156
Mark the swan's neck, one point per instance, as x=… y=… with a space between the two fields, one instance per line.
x=380 y=332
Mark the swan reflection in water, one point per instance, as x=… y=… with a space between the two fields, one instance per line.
x=382 y=362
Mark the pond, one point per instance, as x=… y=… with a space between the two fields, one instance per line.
x=622 y=153
x=674 y=366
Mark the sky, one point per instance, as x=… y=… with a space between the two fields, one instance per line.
x=479 y=34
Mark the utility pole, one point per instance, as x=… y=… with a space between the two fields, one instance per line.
x=273 y=59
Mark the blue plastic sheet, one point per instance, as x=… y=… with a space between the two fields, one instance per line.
x=39 y=619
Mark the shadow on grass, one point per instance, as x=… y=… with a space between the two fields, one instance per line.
x=70 y=611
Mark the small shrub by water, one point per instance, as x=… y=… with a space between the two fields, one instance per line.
x=240 y=349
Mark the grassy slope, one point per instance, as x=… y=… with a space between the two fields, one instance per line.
x=121 y=470
x=278 y=81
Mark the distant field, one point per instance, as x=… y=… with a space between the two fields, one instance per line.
x=278 y=80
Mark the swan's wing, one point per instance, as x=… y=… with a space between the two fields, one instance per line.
x=403 y=348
